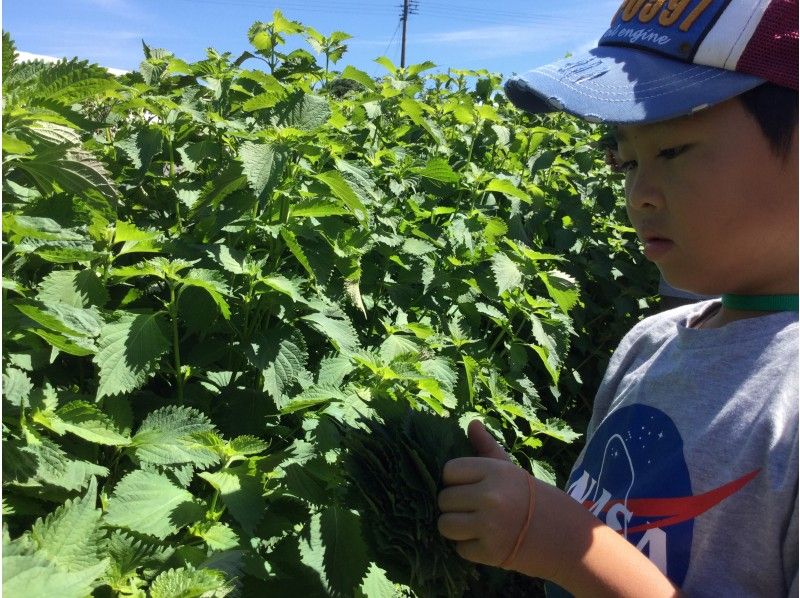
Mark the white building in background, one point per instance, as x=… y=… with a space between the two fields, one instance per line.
x=23 y=56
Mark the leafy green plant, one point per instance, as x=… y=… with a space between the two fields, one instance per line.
x=211 y=270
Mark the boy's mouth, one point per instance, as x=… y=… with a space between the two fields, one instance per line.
x=655 y=247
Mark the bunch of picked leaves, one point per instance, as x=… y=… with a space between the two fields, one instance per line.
x=394 y=470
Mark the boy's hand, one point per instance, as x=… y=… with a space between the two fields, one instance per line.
x=485 y=503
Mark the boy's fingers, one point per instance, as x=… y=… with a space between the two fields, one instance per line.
x=484 y=443
x=463 y=498
x=463 y=470
x=457 y=526
x=472 y=550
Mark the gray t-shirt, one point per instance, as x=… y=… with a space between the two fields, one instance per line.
x=692 y=451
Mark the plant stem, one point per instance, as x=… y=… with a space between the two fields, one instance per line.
x=176 y=350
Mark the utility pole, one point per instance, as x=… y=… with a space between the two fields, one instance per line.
x=409 y=7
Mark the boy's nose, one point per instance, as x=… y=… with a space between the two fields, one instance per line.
x=642 y=191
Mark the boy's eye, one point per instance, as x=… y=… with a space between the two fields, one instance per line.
x=672 y=152
x=612 y=159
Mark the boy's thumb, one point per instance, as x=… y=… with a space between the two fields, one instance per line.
x=484 y=443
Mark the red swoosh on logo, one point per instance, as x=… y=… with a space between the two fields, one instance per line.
x=671 y=511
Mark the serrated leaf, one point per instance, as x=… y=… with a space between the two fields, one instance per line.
x=170 y=435
x=562 y=288
x=74 y=170
x=506 y=273
x=397 y=345
x=241 y=493
x=508 y=188
x=438 y=169
x=128 y=553
x=218 y=536
x=213 y=283
x=88 y=422
x=283 y=285
x=78 y=288
x=359 y=76
x=12 y=145
x=17 y=386
x=345 y=558
x=294 y=246
x=34 y=575
x=71 y=536
x=187 y=582
x=280 y=359
x=150 y=503
x=318 y=394
x=317 y=207
x=338 y=329
x=376 y=584
x=303 y=111
x=247 y=445
x=263 y=166
x=333 y=370
x=342 y=190
x=129 y=351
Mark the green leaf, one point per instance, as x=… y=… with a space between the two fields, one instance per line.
x=508 y=188
x=78 y=288
x=34 y=575
x=438 y=169
x=247 y=445
x=129 y=352
x=294 y=246
x=302 y=111
x=171 y=435
x=283 y=285
x=343 y=191
x=71 y=536
x=562 y=288
x=387 y=64
x=354 y=74
x=88 y=422
x=149 y=503
x=345 y=558
x=187 y=582
x=337 y=327
x=213 y=283
x=241 y=493
x=263 y=166
x=73 y=170
x=12 y=145
x=376 y=584
x=506 y=274
x=281 y=357
x=9 y=55
x=17 y=386
x=218 y=536
x=317 y=207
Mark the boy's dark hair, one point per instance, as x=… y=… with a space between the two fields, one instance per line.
x=775 y=109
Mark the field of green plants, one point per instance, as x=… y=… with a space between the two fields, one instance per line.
x=250 y=302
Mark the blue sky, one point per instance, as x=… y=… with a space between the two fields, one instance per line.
x=505 y=37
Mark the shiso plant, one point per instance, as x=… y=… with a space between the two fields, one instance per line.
x=393 y=465
x=213 y=270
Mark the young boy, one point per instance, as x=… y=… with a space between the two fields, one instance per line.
x=688 y=481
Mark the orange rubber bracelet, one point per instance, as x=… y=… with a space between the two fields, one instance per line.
x=524 y=531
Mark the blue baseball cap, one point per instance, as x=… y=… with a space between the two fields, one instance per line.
x=661 y=59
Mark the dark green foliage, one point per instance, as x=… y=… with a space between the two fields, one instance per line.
x=393 y=466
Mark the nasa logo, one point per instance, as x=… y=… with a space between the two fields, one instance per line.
x=634 y=477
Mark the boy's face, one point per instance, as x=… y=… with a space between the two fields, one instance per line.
x=715 y=208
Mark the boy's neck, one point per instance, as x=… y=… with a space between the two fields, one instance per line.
x=725 y=315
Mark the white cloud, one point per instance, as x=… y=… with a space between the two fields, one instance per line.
x=25 y=56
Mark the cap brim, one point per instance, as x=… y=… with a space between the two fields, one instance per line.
x=619 y=85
